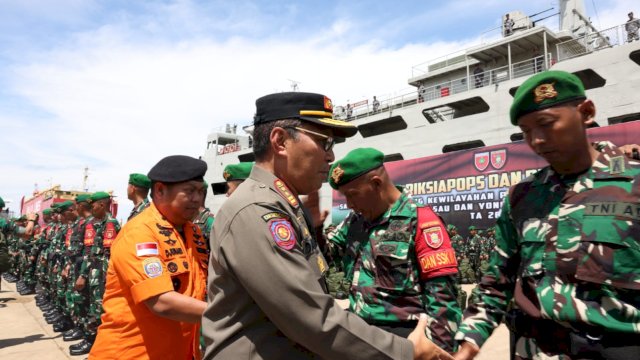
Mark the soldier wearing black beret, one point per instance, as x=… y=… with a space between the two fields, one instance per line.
x=156 y=280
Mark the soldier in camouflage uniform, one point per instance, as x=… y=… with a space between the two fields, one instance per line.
x=4 y=244
x=76 y=309
x=457 y=242
x=137 y=192
x=69 y=217
x=392 y=278
x=568 y=238
x=94 y=267
x=472 y=251
x=43 y=243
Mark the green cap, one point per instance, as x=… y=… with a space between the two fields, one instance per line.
x=82 y=198
x=451 y=227
x=47 y=211
x=545 y=90
x=472 y=228
x=65 y=205
x=355 y=164
x=22 y=218
x=140 y=180
x=100 y=195
x=1 y=203
x=239 y=171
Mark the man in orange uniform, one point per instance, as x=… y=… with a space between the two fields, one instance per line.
x=156 y=279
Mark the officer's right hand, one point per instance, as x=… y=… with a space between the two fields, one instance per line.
x=424 y=348
x=466 y=351
x=80 y=283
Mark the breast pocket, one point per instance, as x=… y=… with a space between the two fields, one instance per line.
x=394 y=265
x=610 y=252
x=532 y=249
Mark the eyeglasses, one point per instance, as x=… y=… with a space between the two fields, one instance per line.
x=327 y=141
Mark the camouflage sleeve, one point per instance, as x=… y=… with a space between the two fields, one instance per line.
x=441 y=305
x=337 y=241
x=496 y=287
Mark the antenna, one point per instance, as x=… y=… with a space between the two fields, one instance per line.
x=85 y=179
x=294 y=84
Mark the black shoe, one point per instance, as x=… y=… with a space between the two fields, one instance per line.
x=50 y=313
x=78 y=345
x=74 y=334
x=27 y=291
x=83 y=348
x=47 y=307
x=54 y=319
x=62 y=326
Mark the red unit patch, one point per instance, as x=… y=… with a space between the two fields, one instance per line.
x=283 y=233
x=433 y=236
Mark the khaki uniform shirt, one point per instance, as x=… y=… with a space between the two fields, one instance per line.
x=267 y=292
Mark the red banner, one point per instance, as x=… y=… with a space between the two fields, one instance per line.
x=468 y=187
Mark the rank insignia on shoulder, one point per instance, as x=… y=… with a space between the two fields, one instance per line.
x=285 y=193
x=321 y=264
x=163 y=230
x=152 y=267
x=283 y=233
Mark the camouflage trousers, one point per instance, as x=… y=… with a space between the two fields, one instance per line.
x=96 y=282
x=28 y=276
x=60 y=289
x=336 y=283
x=77 y=301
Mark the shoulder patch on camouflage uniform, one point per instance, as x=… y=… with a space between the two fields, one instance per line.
x=282 y=233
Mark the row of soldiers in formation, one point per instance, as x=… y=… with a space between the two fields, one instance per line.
x=65 y=260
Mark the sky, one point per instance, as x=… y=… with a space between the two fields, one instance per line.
x=114 y=86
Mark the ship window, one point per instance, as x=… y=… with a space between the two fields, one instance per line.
x=590 y=79
x=624 y=118
x=393 y=157
x=383 y=126
x=248 y=157
x=517 y=137
x=456 y=109
x=462 y=146
x=219 y=188
x=635 y=56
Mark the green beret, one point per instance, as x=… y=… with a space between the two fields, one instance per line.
x=355 y=164
x=1 y=203
x=22 y=218
x=472 y=228
x=451 y=227
x=47 y=211
x=65 y=205
x=239 y=171
x=545 y=90
x=100 y=195
x=140 y=180
x=178 y=168
x=82 y=198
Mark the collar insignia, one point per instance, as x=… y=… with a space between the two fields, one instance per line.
x=285 y=193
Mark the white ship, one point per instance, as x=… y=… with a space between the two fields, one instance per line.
x=462 y=100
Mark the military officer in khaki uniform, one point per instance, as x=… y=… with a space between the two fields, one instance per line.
x=266 y=289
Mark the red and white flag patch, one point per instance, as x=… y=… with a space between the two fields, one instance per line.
x=146 y=249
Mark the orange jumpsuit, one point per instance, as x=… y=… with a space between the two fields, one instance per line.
x=148 y=258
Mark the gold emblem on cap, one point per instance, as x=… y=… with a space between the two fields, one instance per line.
x=328 y=104
x=336 y=174
x=543 y=92
x=226 y=175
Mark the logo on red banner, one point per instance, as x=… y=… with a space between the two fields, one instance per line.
x=433 y=237
x=481 y=160
x=498 y=158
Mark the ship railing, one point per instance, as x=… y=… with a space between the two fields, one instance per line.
x=591 y=42
x=446 y=88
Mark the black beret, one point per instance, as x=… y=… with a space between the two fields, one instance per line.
x=178 y=168
x=309 y=107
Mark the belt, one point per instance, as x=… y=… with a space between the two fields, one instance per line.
x=586 y=340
